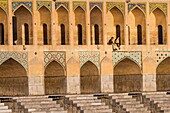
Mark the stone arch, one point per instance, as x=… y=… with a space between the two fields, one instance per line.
x=127 y=76
x=44 y=7
x=63 y=19
x=22 y=5
x=55 y=79
x=61 y=5
x=115 y=17
x=89 y=78
x=137 y=17
x=80 y=19
x=163 y=75
x=96 y=6
x=106 y=66
x=139 y=9
x=3 y=20
x=13 y=79
x=23 y=16
x=44 y=18
x=96 y=19
x=157 y=18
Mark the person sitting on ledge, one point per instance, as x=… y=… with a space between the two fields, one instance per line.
x=117 y=42
x=111 y=43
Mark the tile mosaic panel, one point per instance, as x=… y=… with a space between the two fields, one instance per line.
x=15 y=5
x=20 y=57
x=93 y=56
x=4 y=5
x=93 y=4
x=119 y=5
x=162 y=6
x=142 y=6
x=120 y=55
x=81 y=4
x=58 y=4
x=161 y=55
x=58 y=56
x=47 y=4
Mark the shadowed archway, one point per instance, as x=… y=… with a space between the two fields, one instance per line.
x=13 y=79
x=89 y=78
x=55 y=79
x=127 y=77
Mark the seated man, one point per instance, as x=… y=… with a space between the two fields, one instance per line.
x=117 y=42
x=111 y=43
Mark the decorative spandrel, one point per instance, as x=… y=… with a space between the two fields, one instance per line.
x=119 y=5
x=162 y=6
x=78 y=3
x=4 y=5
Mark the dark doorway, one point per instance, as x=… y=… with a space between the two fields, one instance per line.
x=63 y=42
x=14 y=23
x=160 y=35
x=1 y=34
x=26 y=28
x=80 y=34
x=118 y=32
x=96 y=32
x=139 y=33
x=45 y=34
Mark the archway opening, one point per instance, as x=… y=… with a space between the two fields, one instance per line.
x=139 y=33
x=1 y=34
x=45 y=34
x=89 y=78
x=80 y=41
x=127 y=77
x=118 y=32
x=55 y=79
x=160 y=34
x=63 y=38
x=26 y=28
x=13 y=79
x=163 y=76
x=96 y=32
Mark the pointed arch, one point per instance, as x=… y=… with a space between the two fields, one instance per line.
x=79 y=6
x=61 y=5
x=159 y=9
x=4 y=10
x=95 y=6
x=22 y=5
x=139 y=9
x=90 y=80
x=45 y=7
x=116 y=8
x=55 y=76
x=13 y=79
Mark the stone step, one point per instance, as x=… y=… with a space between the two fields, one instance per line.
x=136 y=109
x=2 y=104
x=90 y=95
x=154 y=93
x=81 y=98
x=49 y=112
x=119 y=97
x=157 y=99
x=3 y=107
x=118 y=94
x=40 y=102
x=94 y=107
x=42 y=106
x=164 y=104
x=133 y=106
x=98 y=111
x=5 y=111
x=33 y=100
x=86 y=101
x=156 y=96
x=91 y=104
x=50 y=109
x=129 y=103
x=125 y=100
x=30 y=97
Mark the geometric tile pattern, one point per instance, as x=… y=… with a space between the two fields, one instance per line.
x=4 y=5
x=58 y=4
x=141 y=6
x=135 y=56
x=161 y=6
x=119 y=5
x=161 y=55
x=58 y=56
x=15 y=5
x=93 y=56
x=20 y=57
x=78 y=3
x=93 y=4
x=47 y=4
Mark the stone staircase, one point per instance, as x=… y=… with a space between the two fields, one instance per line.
x=159 y=102
x=39 y=104
x=88 y=104
x=4 y=108
x=124 y=103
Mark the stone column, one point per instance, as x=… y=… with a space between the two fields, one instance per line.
x=147 y=25
x=23 y=35
x=168 y=25
x=10 y=33
x=53 y=25
x=34 y=24
x=88 y=42
x=71 y=22
x=104 y=25
x=126 y=37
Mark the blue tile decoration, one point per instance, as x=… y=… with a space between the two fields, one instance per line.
x=161 y=55
x=58 y=4
x=93 y=56
x=15 y=5
x=4 y=6
x=47 y=4
x=119 y=5
x=20 y=57
x=142 y=6
x=93 y=4
x=133 y=55
x=78 y=3
x=59 y=56
x=162 y=6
